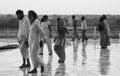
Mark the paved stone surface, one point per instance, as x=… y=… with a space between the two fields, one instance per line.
x=93 y=62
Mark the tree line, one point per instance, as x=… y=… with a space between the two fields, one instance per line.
x=10 y=21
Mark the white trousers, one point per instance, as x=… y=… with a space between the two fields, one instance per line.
x=49 y=45
x=34 y=51
x=23 y=46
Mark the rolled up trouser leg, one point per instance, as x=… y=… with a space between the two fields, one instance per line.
x=24 y=52
x=48 y=40
x=23 y=47
x=34 y=54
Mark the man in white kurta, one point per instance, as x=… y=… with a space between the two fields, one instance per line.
x=84 y=29
x=22 y=37
x=45 y=27
x=34 y=38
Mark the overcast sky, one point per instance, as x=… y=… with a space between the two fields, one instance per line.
x=61 y=6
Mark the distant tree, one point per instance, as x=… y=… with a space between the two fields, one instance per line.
x=14 y=22
x=8 y=21
x=118 y=21
x=8 y=17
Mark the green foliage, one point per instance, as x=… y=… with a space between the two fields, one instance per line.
x=10 y=21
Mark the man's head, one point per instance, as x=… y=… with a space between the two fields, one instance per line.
x=73 y=16
x=82 y=18
x=45 y=17
x=19 y=14
x=32 y=15
x=58 y=19
x=104 y=17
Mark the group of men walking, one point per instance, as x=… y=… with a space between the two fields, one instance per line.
x=34 y=32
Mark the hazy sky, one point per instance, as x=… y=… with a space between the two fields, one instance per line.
x=61 y=6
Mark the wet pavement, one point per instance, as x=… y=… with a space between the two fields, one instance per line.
x=88 y=60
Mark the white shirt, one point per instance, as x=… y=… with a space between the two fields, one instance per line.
x=84 y=25
x=24 y=26
x=35 y=30
x=45 y=27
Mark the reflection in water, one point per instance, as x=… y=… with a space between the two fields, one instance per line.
x=33 y=75
x=60 y=71
x=49 y=60
x=47 y=69
x=75 y=49
x=84 y=44
x=104 y=61
x=25 y=71
x=67 y=43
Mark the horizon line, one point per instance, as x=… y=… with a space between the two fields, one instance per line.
x=61 y=14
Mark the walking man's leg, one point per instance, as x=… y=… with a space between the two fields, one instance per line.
x=35 y=59
x=41 y=47
x=24 y=53
x=85 y=35
x=82 y=36
x=48 y=40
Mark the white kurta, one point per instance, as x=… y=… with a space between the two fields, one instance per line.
x=84 y=25
x=24 y=27
x=34 y=38
x=22 y=36
x=45 y=29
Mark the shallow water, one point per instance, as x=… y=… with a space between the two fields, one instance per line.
x=89 y=60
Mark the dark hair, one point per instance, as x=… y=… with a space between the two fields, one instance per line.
x=101 y=19
x=104 y=17
x=100 y=25
x=33 y=13
x=58 y=24
x=73 y=16
x=42 y=19
x=45 y=16
x=19 y=11
x=82 y=18
x=58 y=19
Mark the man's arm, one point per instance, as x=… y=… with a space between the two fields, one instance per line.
x=55 y=39
x=49 y=27
x=38 y=24
x=67 y=31
x=28 y=26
